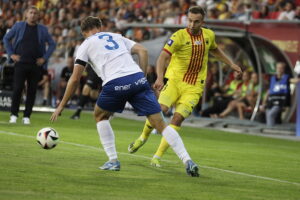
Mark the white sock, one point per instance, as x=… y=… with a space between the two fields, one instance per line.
x=176 y=143
x=107 y=139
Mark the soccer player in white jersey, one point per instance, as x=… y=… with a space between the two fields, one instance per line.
x=123 y=80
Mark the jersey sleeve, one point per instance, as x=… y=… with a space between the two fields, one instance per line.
x=173 y=43
x=82 y=53
x=213 y=41
x=128 y=43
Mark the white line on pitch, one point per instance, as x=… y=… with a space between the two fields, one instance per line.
x=148 y=158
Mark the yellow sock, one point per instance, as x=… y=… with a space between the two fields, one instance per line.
x=163 y=146
x=146 y=130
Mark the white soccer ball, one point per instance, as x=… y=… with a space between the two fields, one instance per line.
x=47 y=137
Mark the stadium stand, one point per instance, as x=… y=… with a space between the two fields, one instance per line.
x=63 y=18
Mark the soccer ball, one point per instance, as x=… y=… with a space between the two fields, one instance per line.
x=47 y=138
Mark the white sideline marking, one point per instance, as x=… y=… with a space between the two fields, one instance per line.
x=148 y=158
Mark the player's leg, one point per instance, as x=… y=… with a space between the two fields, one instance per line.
x=184 y=107
x=141 y=140
x=33 y=77
x=109 y=101
x=241 y=106
x=167 y=97
x=231 y=106
x=18 y=86
x=174 y=140
x=84 y=98
x=271 y=114
x=107 y=138
x=163 y=146
x=145 y=103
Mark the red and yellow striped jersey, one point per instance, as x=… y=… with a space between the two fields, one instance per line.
x=189 y=55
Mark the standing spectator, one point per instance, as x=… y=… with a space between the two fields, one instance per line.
x=25 y=44
x=278 y=95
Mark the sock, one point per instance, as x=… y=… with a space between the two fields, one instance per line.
x=107 y=139
x=82 y=101
x=163 y=146
x=174 y=140
x=146 y=130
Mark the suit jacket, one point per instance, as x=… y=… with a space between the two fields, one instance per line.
x=15 y=36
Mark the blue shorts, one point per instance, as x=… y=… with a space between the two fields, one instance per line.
x=133 y=88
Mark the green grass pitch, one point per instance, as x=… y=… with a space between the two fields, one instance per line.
x=232 y=166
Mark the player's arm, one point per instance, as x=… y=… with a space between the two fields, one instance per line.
x=161 y=65
x=70 y=90
x=220 y=55
x=142 y=53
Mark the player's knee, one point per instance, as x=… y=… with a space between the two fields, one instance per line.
x=157 y=122
x=100 y=114
x=177 y=119
x=86 y=90
x=160 y=125
x=164 y=108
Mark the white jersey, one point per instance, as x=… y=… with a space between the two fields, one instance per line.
x=109 y=55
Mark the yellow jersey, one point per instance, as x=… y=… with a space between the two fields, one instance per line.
x=189 y=55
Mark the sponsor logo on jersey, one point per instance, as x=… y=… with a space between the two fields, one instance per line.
x=170 y=42
x=122 y=87
x=197 y=42
x=141 y=81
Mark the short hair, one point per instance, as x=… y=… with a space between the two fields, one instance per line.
x=197 y=10
x=281 y=63
x=90 y=23
x=32 y=8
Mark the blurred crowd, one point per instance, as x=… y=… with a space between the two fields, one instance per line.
x=62 y=17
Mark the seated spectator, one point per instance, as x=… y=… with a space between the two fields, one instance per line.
x=224 y=12
x=44 y=84
x=247 y=104
x=263 y=13
x=212 y=80
x=221 y=99
x=288 y=13
x=240 y=95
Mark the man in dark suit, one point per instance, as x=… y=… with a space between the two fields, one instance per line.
x=25 y=44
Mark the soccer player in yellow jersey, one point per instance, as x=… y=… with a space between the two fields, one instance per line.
x=187 y=50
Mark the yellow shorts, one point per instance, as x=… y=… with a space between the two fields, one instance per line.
x=181 y=95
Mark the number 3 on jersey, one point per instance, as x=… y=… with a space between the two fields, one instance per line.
x=112 y=44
